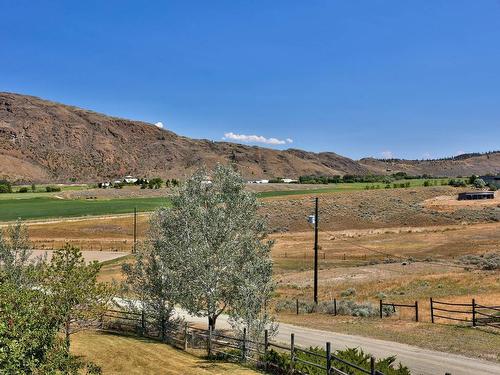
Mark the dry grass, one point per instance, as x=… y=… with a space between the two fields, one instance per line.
x=359 y=233
x=130 y=355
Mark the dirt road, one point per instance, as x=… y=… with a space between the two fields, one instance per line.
x=89 y=256
x=420 y=361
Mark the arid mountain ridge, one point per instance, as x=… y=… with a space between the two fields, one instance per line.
x=43 y=141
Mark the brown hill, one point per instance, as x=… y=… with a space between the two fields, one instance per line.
x=43 y=141
x=461 y=165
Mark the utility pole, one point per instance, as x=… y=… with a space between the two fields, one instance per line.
x=316 y=219
x=135 y=229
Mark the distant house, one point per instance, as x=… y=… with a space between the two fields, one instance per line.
x=259 y=182
x=289 y=181
x=130 y=180
x=474 y=195
x=491 y=180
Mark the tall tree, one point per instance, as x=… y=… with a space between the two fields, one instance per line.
x=81 y=299
x=212 y=232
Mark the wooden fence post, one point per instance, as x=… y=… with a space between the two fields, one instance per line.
x=292 y=352
x=335 y=307
x=266 y=346
x=244 y=346
x=416 y=311
x=185 y=336
x=297 y=305
x=209 y=344
x=380 y=308
x=372 y=366
x=432 y=311
x=328 y=358
x=143 y=322
x=163 y=329
x=473 y=312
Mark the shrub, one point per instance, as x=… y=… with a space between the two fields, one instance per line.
x=488 y=261
x=281 y=362
x=285 y=305
x=479 y=183
x=5 y=187
x=350 y=292
x=52 y=189
x=23 y=189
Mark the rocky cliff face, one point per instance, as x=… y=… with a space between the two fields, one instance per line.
x=45 y=141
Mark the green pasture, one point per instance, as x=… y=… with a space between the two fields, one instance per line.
x=49 y=207
x=41 y=205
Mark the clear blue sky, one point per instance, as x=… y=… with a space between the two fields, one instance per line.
x=410 y=79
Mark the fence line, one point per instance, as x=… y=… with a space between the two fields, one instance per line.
x=394 y=305
x=466 y=312
x=241 y=349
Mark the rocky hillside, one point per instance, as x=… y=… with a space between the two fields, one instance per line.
x=461 y=165
x=43 y=141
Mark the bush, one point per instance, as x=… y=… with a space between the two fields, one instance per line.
x=350 y=292
x=23 y=189
x=281 y=362
x=479 y=183
x=457 y=183
x=350 y=307
x=5 y=187
x=488 y=261
x=52 y=189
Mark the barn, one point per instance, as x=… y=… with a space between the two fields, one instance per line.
x=476 y=195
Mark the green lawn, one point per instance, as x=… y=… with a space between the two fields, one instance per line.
x=47 y=207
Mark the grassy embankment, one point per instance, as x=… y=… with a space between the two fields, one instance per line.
x=132 y=355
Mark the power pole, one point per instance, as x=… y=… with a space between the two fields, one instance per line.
x=316 y=219
x=135 y=229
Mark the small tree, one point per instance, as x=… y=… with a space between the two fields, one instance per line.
x=479 y=183
x=15 y=253
x=153 y=279
x=29 y=327
x=213 y=233
x=81 y=298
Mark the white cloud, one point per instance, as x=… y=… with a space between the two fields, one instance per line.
x=460 y=152
x=426 y=155
x=387 y=154
x=159 y=124
x=255 y=139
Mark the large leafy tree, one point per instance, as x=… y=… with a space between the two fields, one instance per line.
x=215 y=241
x=81 y=298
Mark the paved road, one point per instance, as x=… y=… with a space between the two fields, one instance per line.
x=420 y=361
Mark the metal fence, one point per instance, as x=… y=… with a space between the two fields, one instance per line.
x=241 y=349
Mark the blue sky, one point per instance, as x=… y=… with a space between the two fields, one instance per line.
x=411 y=79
